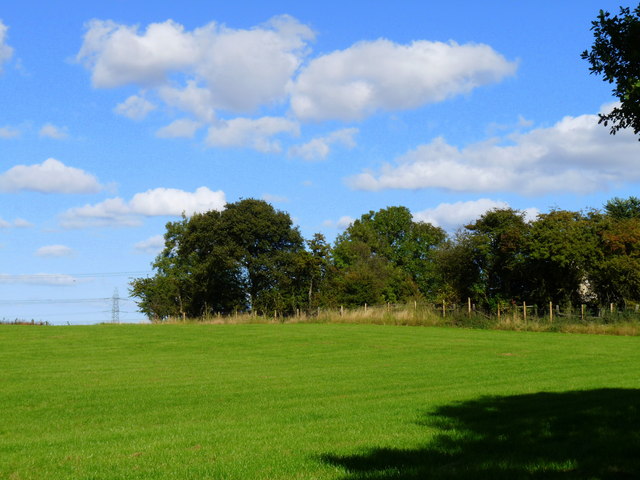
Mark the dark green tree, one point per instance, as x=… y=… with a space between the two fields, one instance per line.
x=495 y=245
x=562 y=250
x=620 y=208
x=321 y=272
x=246 y=257
x=386 y=256
x=615 y=54
x=615 y=278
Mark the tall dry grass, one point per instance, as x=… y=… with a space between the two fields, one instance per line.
x=429 y=316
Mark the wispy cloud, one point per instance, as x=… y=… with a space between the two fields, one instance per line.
x=51 y=131
x=320 y=147
x=6 y=52
x=54 y=251
x=151 y=245
x=51 y=279
x=7 y=132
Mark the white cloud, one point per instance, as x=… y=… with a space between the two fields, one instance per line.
x=232 y=69
x=51 y=176
x=17 y=223
x=192 y=99
x=453 y=215
x=155 y=202
x=181 y=128
x=320 y=147
x=356 y=82
x=51 y=131
x=51 y=279
x=135 y=107
x=54 y=251
x=9 y=132
x=170 y=201
x=117 y=55
x=267 y=197
x=575 y=155
x=153 y=244
x=6 y=52
x=22 y=223
x=252 y=133
x=342 y=223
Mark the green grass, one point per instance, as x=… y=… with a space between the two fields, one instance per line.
x=310 y=401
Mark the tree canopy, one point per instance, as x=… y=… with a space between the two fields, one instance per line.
x=615 y=54
x=250 y=257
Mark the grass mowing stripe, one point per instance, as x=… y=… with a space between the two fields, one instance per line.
x=287 y=401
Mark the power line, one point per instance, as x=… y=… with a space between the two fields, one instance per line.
x=46 y=301
x=33 y=276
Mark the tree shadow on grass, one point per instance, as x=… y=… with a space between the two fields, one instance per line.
x=593 y=434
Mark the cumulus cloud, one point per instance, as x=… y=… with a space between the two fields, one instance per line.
x=575 y=155
x=171 y=201
x=151 y=245
x=155 y=202
x=356 y=82
x=9 y=132
x=135 y=107
x=215 y=73
x=181 y=128
x=50 y=176
x=239 y=69
x=54 y=251
x=6 y=52
x=252 y=133
x=320 y=147
x=50 y=279
x=51 y=131
x=454 y=215
x=118 y=55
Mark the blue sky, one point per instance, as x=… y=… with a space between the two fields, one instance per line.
x=116 y=116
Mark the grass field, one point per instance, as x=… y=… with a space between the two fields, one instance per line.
x=310 y=401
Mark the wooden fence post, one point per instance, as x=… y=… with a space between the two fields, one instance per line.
x=444 y=309
x=524 y=311
x=550 y=311
x=582 y=312
x=469 y=306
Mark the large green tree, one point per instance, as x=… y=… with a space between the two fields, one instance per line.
x=495 y=245
x=386 y=256
x=562 y=250
x=615 y=54
x=245 y=257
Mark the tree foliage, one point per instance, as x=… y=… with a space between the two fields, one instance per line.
x=615 y=54
x=386 y=256
x=248 y=256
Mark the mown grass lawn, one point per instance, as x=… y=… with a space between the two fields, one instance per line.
x=315 y=402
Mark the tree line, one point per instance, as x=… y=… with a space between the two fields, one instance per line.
x=250 y=257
